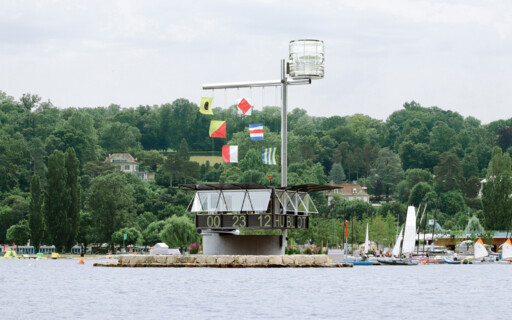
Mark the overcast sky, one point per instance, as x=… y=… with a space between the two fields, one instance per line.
x=455 y=55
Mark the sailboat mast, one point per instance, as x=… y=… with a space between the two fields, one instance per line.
x=401 y=243
x=509 y=223
x=424 y=234
x=434 y=225
x=419 y=225
x=352 y=234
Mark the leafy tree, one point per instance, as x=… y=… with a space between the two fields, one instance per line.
x=7 y=218
x=472 y=187
x=183 y=150
x=388 y=170
x=120 y=137
x=382 y=229
x=448 y=173
x=38 y=154
x=150 y=159
x=254 y=176
x=86 y=232
x=19 y=233
x=56 y=200
x=438 y=137
x=470 y=165
x=144 y=220
x=251 y=161
x=412 y=177
x=152 y=233
x=231 y=174
x=36 y=216
x=29 y=101
x=504 y=137
x=180 y=169
x=14 y=156
x=73 y=196
x=111 y=203
x=418 y=192
x=337 y=174
x=78 y=133
x=179 y=232
x=171 y=210
x=133 y=236
x=452 y=202
x=496 y=192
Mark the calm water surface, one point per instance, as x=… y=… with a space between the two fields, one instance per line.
x=62 y=289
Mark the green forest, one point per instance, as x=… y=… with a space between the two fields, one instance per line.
x=55 y=187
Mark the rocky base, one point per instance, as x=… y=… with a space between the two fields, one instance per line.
x=224 y=261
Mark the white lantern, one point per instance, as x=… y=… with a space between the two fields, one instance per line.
x=306 y=59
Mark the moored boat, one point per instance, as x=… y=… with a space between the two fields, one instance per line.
x=398 y=262
x=405 y=243
x=451 y=261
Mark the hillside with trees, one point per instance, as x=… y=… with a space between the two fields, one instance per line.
x=55 y=187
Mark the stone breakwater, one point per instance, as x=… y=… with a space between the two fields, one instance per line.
x=224 y=261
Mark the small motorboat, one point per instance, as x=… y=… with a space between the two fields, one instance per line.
x=397 y=262
x=451 y=261
x=362 y=263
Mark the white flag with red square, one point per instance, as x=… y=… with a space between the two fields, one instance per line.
x=244 y=106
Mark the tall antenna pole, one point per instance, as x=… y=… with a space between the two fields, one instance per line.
x=284 y=127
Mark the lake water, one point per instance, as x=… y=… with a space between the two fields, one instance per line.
x=62 y=289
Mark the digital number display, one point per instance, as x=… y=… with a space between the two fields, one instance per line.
x=251 y=221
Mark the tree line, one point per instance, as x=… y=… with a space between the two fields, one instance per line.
x=417 y=155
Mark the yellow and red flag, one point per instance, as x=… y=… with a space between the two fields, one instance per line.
x=217 y=129
x=206 y=105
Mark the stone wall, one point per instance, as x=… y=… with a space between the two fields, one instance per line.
x=228 y=261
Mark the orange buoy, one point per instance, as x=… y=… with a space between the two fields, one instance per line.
x=81 y=257
x=424 y=262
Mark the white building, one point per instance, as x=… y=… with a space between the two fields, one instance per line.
x=127 y=163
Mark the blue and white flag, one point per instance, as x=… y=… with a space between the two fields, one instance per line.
x=269 y=155
x=256 y=131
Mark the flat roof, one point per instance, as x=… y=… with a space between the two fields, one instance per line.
x=224 y=186
x=245 y=186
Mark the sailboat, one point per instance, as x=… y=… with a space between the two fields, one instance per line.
x=366 y=242
x=480 y=253
x=396 y=249
x=506 y=252
x=405 y=242
x=365 y=261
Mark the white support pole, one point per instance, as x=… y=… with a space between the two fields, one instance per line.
x=253 y=84
x=284 y=127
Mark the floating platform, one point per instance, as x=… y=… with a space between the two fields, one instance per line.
x=223 y=261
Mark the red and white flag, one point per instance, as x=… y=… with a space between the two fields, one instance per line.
x=256 y=131
x=245 y=106
x=230 y=154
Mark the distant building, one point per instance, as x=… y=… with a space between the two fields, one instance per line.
x=349 y=192
x=127 y=163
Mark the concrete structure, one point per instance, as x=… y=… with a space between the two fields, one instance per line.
x=222 y=210
x=127 y=163
x=162 y=248
x=224 y=261
x=218 y=243
x=349 y=192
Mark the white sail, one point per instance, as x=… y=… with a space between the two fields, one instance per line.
x=507 y=250
x=366 y=241
x=410 y=231
x=396 y=248
x=480 y=250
